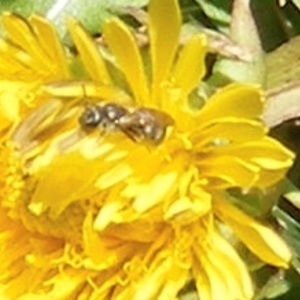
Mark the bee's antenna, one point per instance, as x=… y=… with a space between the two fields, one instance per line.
x=86 y=103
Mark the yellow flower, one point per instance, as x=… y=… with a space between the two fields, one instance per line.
x=118 y=213
x=26 y=61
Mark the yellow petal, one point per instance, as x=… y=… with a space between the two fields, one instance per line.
x=138 y=231
x=64 y=286
x=118 y=173
x=222 y=270
x=277 y=151
x=162 y=281
x=190 y=66
x=186 y=210
x=108 y=214
x=16 y=64
x=260 y=239
x=70 y=89
x=232 y=170
x=234 y=100
x=99 y=249
x=234 y=268
x=155 y=191
x=230 y=129
x=269 y=177
x=269 y=156
x=49 y=40
x=208 y=275
x=202 y=283
x=9 y=102
x=66 y=172
x=164 y=27
x=21 y=33
x=258 y=150
x=121 y=42
x=31 y=126
x=89 y=54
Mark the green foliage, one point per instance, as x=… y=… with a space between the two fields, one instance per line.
x=218 y=11
x=284 y=63
x=25 y=8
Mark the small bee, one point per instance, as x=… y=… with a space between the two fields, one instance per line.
x=143 y=124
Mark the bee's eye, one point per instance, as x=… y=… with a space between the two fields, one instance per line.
x=91 y=117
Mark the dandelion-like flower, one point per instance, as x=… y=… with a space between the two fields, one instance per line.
x=120 y=212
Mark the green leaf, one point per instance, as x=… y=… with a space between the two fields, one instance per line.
x=244 y=33
x=291 y=231
x=125 y=3
x=276 y=286
x=25 y=8
x=283 y=64
x=274 y=26
x=258 y=202
x=217 y=10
